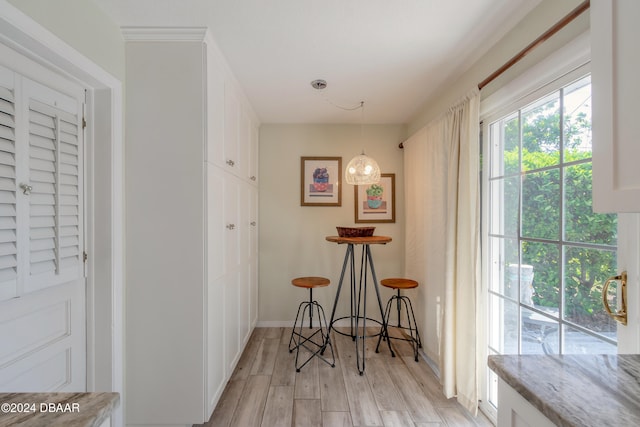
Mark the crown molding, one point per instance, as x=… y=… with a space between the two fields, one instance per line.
x=164 y=34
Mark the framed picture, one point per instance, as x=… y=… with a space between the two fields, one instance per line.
x=376 y=202
x=320 y=181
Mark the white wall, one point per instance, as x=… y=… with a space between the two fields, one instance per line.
x=539 y=20
x=292 y=237
x=82 y=25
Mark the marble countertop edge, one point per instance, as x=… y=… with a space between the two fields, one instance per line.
x=57 y=409
x=576 y=390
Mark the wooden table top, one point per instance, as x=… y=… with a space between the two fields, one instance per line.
x=371 y=240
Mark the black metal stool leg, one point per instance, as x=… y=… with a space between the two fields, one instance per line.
x=415 y=323
x=307 y=341
x=375 y=284
x=401 y=302
x=385 y=318
x=311 y=311
x=293 y=331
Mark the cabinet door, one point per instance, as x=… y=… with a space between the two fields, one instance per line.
x=253 y=154
x=244 y=144
x=253 y=256
x=231 y=278
x=515 y=411
x=230 y=200
x=215 y=109
x=616 y=89
x=216 y=233
x=244 y=285
x=231 y=128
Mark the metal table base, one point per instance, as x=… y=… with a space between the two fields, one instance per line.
x=358 y=307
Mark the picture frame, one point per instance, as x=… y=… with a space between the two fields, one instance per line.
x=321 y=181
x=380 y=204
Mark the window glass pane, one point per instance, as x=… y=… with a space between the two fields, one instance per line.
x=545 y=260
x=505 y=146
x=586 y=271
x=503 y=332
x=541 y=133
x=549 y=254
x=503 y=253
x=520 y=283
x=541 y=205
x=577 y=342
x=539 y=333
x=505 y=195
x=581 y=223
x=577 y=120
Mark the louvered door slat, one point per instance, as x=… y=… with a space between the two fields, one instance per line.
x=6 y=145
x=54 y=203
x=8 y=218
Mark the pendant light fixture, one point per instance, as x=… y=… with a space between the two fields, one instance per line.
x=362 y=169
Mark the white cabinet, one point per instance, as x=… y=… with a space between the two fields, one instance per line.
x=515 y=411
x=191 y=227
x=615 y=61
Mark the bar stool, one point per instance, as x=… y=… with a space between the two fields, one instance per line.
x=310 y=342
x=401 y=302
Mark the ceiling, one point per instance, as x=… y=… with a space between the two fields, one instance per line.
x=391 y=54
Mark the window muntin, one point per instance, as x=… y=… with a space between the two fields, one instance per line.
x=548 y=253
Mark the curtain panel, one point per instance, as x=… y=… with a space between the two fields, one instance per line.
x=442 y=193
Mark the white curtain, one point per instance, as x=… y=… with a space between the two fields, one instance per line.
x=442 y=193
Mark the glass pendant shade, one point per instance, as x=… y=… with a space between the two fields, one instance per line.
x=362 y=170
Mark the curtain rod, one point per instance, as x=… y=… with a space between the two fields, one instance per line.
x=544 y=37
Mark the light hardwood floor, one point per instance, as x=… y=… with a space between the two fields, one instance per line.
x=266 y=391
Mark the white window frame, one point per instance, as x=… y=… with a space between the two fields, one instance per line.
x=560 y=68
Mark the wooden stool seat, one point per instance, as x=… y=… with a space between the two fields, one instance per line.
x=310 y=282
x=399 y=283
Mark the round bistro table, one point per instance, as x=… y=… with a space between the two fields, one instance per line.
x=358 y=281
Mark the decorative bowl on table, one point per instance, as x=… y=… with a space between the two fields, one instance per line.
x=355 y=231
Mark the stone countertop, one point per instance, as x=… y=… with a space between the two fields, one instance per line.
x=56 y=409
x=576 y=390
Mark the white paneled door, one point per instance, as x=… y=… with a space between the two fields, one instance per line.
x=42 y=279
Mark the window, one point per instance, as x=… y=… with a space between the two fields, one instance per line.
x=548 y=254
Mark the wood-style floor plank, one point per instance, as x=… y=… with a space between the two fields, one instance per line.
x=384 y=390
x=265 y=389
x=333 y=394
x=364 y=410
x=229 y=401
x=243 y=368
x=421 y=408
x=250 y=412
x=307 y=380
x=336 y=419
x=307 y=413
x=396 y=418
x=278 y=411
x=282 y=372
x=266 y=357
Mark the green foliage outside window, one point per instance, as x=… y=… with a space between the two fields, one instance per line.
x=586 y=269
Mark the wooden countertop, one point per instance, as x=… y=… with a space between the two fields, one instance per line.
x=371 y=240
x=56 y=409
x=576 y=390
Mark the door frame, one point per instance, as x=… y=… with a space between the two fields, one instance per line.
x=104 y=188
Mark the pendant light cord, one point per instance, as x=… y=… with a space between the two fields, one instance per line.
x=342 y=107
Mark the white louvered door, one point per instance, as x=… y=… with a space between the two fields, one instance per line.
x=42 y=283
